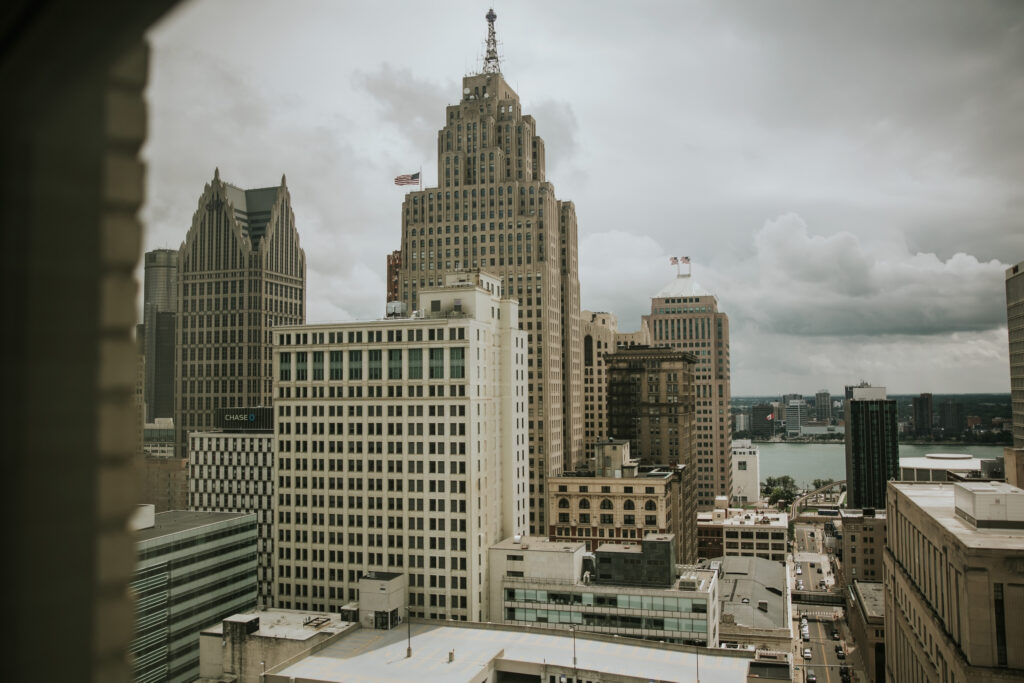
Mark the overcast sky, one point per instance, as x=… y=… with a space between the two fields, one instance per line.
x=846 y=177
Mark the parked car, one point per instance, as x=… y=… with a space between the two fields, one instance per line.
x=840 y=654
x=819 y=570
x=839 y=648
x=799 y=571
x=811 y=678
x=807 y=653
x=835 y=634
x=805 y=636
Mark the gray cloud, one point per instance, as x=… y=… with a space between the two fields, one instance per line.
x=845 y=176
x=415 y=106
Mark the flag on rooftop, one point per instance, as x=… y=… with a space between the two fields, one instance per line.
x=685 y=259
x=674 y=260
x=408 y=179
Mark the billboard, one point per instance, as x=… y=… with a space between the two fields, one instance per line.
x=244 y=419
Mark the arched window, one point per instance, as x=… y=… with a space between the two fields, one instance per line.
x=629 y=505
x=606 y=504
x=584 y=504
x=650 y=505
x=563 y=503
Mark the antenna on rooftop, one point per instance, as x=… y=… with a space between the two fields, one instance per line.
x=491 y=65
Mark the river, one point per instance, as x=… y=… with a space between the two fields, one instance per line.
x=806 y=462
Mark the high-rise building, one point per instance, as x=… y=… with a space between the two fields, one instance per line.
x=241 y=272
x=762 y=420
x=1014 y=456
x=685 y=316
x=951 y=418
x=823 y=406
x=159 y=311
x=953 y=581
x=922 y=415
x=494 y=209
x=600 y=332
x=786 y=398
x=394 y=263
x=796 y=416
x=872 y=446
x=231 y=469
x=401 y=448
x=651 y=404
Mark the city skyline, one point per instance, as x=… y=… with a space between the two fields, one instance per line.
x=831 y=227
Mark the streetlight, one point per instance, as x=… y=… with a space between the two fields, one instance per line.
x=408 y=626
x=574 y=674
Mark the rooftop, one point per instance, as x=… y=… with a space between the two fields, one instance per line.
x=287 y=624
x=176 y=521
x=538 y=543
x=958 y=462
x=938 y=501
x=378 y=655
x=871 y=596
x=754 y=579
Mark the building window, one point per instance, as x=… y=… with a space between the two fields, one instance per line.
x=436 y=363
x=300 y=366
x=285 y=366
x=375 y=370
x=318 y=365
x=415 y=363
x=336 y=362
x=355 y=364
x=394 y=364
x=457 y=362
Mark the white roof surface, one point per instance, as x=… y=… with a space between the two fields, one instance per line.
x=371 y=655
x=957 y=462
x=682 y=285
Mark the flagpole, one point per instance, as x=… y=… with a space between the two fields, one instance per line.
x=421 y=178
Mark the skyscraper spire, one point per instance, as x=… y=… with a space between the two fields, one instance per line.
x=491 y=57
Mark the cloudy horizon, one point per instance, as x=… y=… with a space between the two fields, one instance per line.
x=845 y=178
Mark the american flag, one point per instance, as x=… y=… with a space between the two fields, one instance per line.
x=676 y=260
x=408 y=179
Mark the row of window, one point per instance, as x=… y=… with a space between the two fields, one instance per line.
x=402 y=364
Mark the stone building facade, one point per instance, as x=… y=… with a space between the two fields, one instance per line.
x=684 y=316
x=495 y=209
x=863 y=544
x=401 y=446
x=618 y=501
x=241 y=272
x=954 y=581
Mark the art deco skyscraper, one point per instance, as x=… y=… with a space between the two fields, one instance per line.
x=685 y=316
x=240 y=273
x=494 y=209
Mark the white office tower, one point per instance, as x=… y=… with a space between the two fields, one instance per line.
x=746 y=472
x=401 y=447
